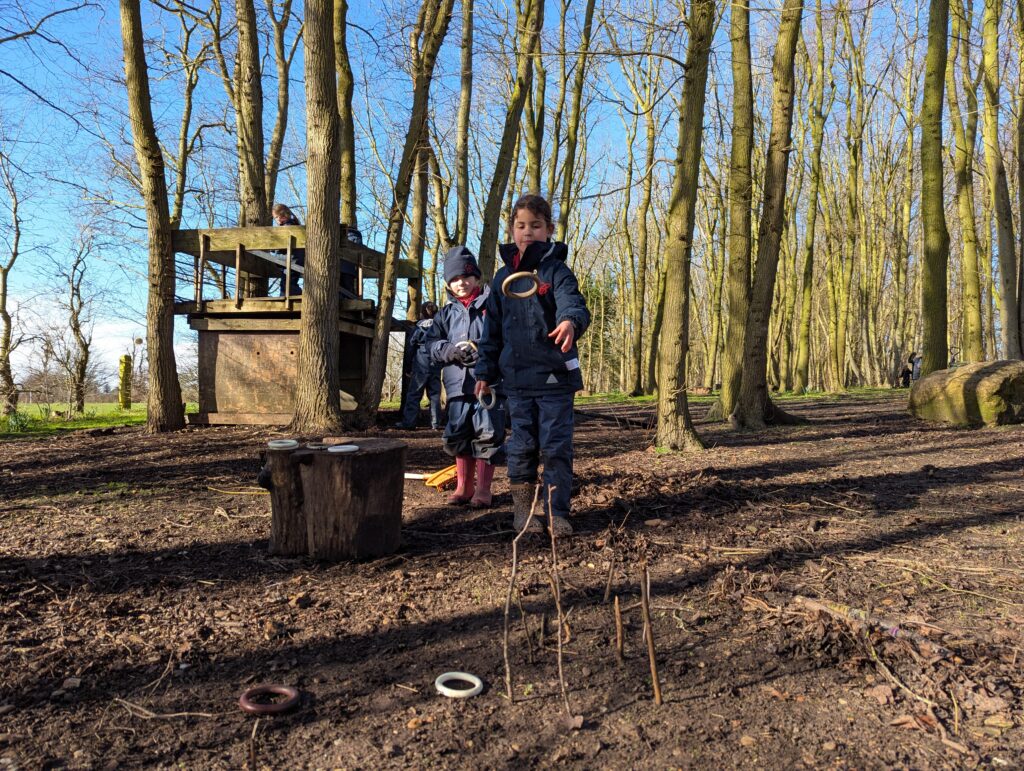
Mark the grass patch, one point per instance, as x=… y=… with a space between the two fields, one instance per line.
x=35 y=420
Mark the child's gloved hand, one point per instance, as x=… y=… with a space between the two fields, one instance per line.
x=466 y=355
x=448 y=353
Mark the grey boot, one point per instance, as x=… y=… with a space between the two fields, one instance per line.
x=522 y=501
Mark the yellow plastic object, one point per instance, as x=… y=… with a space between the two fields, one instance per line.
x=442 y=479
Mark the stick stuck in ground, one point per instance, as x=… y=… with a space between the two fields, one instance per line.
x=645 y=607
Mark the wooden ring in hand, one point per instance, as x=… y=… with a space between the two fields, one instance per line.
x=486 y=403
x=466 y=344
x=505 y=290
x=245 y=701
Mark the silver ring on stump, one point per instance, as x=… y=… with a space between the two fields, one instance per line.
x=532 y=275
x=486 y=403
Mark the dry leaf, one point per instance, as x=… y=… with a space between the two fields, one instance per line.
x=747 y=741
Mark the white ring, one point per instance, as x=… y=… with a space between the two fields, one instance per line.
x=282 y=444
x=343 y=448
x=482 y=400
x=458 y=693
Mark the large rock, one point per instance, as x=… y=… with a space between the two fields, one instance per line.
x=989 y=393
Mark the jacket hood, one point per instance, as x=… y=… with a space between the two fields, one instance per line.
x=536 y=253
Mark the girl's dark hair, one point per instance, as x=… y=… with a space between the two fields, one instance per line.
x=535 y=204
x=428 y=310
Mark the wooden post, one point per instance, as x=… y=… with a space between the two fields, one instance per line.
x=238 y=275
x=288 y=270
x=288 y=520
x=353 y=501
x=204 y=247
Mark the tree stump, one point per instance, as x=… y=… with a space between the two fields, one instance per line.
x=288 y=519
x=337 y=506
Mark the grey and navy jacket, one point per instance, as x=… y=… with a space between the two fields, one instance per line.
x=453 y=324
x=417 y=355
x=515 y=347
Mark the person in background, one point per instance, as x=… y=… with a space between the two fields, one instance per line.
x=423 y=374
x=475 y=433
x=283 y=216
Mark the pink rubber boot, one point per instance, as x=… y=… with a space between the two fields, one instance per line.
x=484 y=475
x=464 y=474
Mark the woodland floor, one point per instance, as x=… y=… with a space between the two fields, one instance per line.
x=137 y=601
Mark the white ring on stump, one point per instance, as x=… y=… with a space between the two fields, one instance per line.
x=458 y=693
x=343 y=448
x=282 y=444
x=532 y=275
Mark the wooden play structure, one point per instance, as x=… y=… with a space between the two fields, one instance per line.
x=248 y=345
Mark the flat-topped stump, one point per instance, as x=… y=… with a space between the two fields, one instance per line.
x=336 y=504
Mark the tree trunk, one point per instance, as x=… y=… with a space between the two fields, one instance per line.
x=965 y=136
x=740 y=195
x=253 y=206
x=575 y=120
x=819 y=113
x=432 y=26
x=933 y=216
x=530 y=22
x=462 y=126
x=165 y=410
x=675 y=427
x=417 y=234
x=754 y=408
x=283 y=63
x=317 y=406
x=346 y=120
x=1009 y=310
x=8 y=388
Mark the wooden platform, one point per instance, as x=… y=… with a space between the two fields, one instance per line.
x=248 y=346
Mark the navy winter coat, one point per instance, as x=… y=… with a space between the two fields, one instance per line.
x=515 y=347
x=453 y=324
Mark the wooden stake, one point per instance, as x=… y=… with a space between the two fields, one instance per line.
x=556 y=587
x=508 y=599
x=618 y=632
x=645 y=608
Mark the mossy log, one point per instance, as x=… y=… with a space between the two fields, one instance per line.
x=987 y=393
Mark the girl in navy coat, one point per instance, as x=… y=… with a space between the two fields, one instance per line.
x=474 y=434
x=529 y=343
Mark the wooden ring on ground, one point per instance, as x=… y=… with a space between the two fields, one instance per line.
x=486 y=403
x=458 y=693
x=532 y=275
x=245 y=701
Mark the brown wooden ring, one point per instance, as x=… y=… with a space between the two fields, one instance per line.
x=466 y=344
x=291 y=694
x=532 y=275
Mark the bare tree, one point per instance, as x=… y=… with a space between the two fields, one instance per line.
x=675 y=427
x=425 y=42
x=317 y=405
x=165 y=411
x=11 y=238
x=934 y=300
x=754 y=408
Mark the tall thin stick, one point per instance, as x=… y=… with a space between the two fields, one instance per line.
x=618 y=631
x=608 y=583
x=557 y=591
x=645 y=607
x=508 y=597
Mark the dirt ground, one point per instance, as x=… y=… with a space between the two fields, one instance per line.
x=137 y=601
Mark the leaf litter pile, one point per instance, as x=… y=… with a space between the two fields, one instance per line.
x=845 y=593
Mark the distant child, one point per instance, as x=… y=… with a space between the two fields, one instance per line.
x=530 y=344
x=474 y=434
x=284 y=216
x=423 y=374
